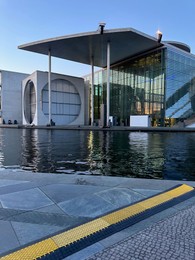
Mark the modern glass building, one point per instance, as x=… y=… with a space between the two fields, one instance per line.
x=159 y=83
x=140 y=75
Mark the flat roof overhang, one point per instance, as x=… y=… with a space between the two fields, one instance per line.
x=124 y=43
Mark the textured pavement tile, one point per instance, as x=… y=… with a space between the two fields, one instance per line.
x=88 y=206
x=27 y=232
x=25 y=200
x=62 y=192
x=150 y=221
x=8 y=238
x=172 y=238
x=120 y=196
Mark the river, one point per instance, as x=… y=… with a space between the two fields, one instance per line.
x=118 y=153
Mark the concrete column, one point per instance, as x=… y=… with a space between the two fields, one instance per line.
x=92 y=91
x=49 y=86
x=108 y=83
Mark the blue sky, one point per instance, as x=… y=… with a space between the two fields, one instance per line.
x=23 y=21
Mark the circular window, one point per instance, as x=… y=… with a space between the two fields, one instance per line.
x=29 y=102
x=65 y=101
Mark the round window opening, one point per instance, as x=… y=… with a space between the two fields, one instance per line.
x=66 y=102
x=29 y=102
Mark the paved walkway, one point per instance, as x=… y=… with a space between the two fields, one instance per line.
x=172 y=238
x=35 y=205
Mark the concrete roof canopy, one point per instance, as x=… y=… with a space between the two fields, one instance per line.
x=124 y=43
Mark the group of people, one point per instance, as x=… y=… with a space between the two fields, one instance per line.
x=10 y=122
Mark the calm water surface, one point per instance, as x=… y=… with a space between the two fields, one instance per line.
x=131 y=154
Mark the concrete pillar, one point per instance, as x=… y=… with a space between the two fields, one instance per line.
x=108 y=83
x=49 y=86
x=92 y=91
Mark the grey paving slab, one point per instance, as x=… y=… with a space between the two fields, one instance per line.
x=102 y=181
x=39 y=178
x=51 y=209
x=8 y=237
x=87 y=252
x=43 y=181
x=10 y=182
x=148 y=184
x=64 y=192
x=6 y=213
x=79 y=198
x=120 y=196
x=146 y=192
x=51 y=219
x=25 y=200
x=17 y=187
x=86 y=206
x=27 y=232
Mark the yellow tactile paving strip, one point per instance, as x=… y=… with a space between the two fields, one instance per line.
x=122 y=214
x=34 y=251
x=66 y=238
x=79 y=232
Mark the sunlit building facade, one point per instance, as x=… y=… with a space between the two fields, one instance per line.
x=140 y=75
x=159 y=83
x=68 y=104
x=10 y=96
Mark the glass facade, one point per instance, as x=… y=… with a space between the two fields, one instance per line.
x=137 y=88
x=0 y=91
x=180 y=84
x=160 y=83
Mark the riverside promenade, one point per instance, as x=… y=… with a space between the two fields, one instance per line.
x=34 y=206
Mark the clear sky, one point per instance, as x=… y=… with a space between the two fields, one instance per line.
x=24 y=21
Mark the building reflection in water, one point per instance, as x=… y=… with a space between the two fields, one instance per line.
x=10 y=147
x=122 y=154
x=116 y=153
x=147 y=154
x=53 y=151
x=99 y=157
x=32 y=153
x=1 y=149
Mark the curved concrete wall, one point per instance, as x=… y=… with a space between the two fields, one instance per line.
x=68 y=99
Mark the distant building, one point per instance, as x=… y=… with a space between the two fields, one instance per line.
x=11 y=96
x=159 y=82
x=141 y=74
x=24 y=99
x=68 y=95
